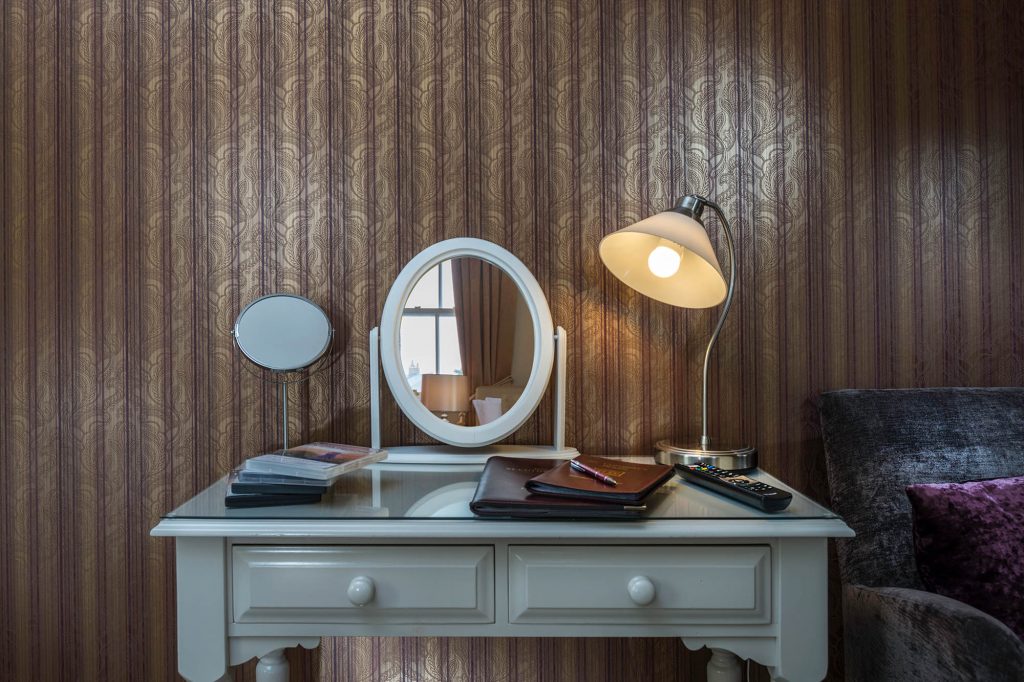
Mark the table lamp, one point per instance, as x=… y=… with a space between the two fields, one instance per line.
x=446 y=393
x=669 y=258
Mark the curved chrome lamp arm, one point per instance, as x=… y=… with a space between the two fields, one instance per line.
x=693 y=205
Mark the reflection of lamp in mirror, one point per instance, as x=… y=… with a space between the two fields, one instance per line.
x=669 y=258
x=446 y=393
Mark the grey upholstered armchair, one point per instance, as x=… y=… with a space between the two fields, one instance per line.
x=876 y=443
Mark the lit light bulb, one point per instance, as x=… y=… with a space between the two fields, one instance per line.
x=664 y=261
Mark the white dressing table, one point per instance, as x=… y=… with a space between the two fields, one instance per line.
x=394 y=551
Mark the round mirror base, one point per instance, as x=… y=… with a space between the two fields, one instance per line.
x=731 y=459
x=447 y=454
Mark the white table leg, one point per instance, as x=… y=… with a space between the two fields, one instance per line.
x=202 y=596
x=724 y=666
x=802 y=592
x=272 y=667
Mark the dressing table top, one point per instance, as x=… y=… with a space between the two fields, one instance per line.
x=411 y=499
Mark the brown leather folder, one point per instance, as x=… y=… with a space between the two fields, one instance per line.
x=634 y=480
x=502 y=492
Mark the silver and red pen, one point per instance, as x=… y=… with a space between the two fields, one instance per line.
x=593 y=473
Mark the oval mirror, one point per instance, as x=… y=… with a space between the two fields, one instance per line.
x=283 y=332
x=467 y=342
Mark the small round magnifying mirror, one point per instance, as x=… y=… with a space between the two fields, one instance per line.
x=283 y=332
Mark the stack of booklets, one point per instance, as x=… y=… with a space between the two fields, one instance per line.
x=299 y=475
x=544 y=488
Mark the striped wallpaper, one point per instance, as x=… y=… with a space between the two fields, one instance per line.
x=166 y=161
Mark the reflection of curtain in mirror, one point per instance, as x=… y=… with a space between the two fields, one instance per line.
x=485 y=318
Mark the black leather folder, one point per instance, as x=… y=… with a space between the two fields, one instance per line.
x=502 y=492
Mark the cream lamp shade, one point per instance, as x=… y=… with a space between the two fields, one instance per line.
x=445 y=392
x=669 y=258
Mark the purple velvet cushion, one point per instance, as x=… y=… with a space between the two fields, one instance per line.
x=969 y=544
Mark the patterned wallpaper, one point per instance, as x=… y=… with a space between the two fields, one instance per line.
x=165 y=161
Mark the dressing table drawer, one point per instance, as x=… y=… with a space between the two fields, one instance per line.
x=363 y=584
x=643 y=585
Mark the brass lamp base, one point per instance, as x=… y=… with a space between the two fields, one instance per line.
x=731 y=459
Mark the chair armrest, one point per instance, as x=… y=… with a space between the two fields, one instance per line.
x=895 y=633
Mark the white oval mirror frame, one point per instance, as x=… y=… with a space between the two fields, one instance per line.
x=283 y=332
x=543 y=340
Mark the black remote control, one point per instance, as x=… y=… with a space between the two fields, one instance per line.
x=735 y=485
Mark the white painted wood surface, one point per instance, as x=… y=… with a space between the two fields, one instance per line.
x=790 y=638
x=384 y=530
x=349 y=584
x=201 y=569
x=724 y=666
x=272 y=667
x=248 y=587
x=688 y=584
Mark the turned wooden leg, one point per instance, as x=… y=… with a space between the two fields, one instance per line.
x=272 y=667
x=724 y=666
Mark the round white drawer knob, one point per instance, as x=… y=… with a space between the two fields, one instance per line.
x=360 y=590
x=641 y=590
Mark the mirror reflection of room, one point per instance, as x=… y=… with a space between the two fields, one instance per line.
x=466 y=341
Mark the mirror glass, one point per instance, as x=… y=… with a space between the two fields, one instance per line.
x=283 y=332
x=466 y=341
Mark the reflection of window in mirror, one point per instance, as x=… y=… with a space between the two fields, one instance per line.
x=429 y=340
